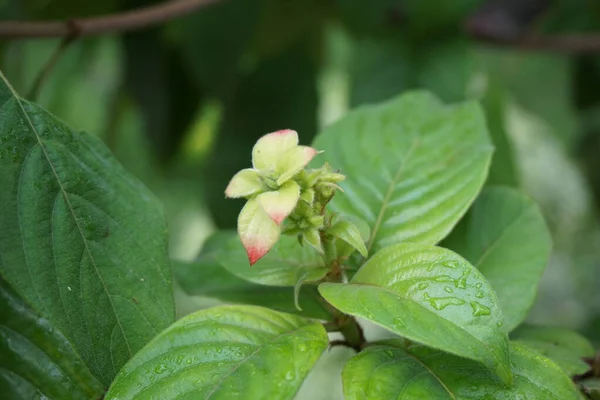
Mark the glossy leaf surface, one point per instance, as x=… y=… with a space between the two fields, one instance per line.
x=429 y=295
x=388 y=372
x=227 y=352
x=413 y=166
x=36 y=360
x=505 y=236
x=82 y=241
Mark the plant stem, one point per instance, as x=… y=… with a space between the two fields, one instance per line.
x=125 y=21
x=43 y=75
x=347 y=325
x=353 y=333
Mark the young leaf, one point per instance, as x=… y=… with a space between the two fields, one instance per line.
x=245 y=183
x=349 y=233
x=504 y=235
x=280 y=203
x=429 y=295
x=313 y=238
x=413 y=166
x=269 y=148
x=565 y=347
x=282 y=266
x=227 y=352
x=258 y=232
x=293 y=161
x=82 y=241
x=36 y=358
x=388 y=372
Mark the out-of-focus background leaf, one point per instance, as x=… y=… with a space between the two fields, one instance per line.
x=181 y=105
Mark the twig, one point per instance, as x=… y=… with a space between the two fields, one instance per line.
x=47 y=69
x=122 y=22
x=570 y=44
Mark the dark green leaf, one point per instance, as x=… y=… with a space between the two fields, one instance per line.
x=560 y=337
x=227 y=352
x=505 y=237
x=36 y=360
x=413 y=166
x=563 y=346
x=284 y=265
x=82 y=241
x=206 y=277
x=388 y=372
x=429 y=295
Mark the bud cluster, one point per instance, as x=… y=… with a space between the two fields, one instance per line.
x=279 y=188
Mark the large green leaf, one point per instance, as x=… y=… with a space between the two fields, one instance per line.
x=413 y=166
x=226 y=352
x=384 y=371
x=206 y=277
x=285 y=265
x=432 y=296
x=504 y=235
x=81 y=241
x=563 y=346
x=36 y=360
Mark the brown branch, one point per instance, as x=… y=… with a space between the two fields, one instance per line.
x=47 y=69
x=125 y=21
x=570 y=44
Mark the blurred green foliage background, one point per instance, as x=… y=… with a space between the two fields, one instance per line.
x=181 y=105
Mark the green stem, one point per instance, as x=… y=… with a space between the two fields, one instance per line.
x=353 y=334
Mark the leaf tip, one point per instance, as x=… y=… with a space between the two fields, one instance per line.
x=255 y=253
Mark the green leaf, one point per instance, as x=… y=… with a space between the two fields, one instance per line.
x=413 y=166
x=349 y=233
x=388 y=372
x=36 y=360
x=227 y=352
x=284 y=265
x=206 y=277
x=563 y=346
x=560 y=337
x=592 y=387
x=82 y=242
x=504 y=235
x=429 y=295
x=566 y=360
